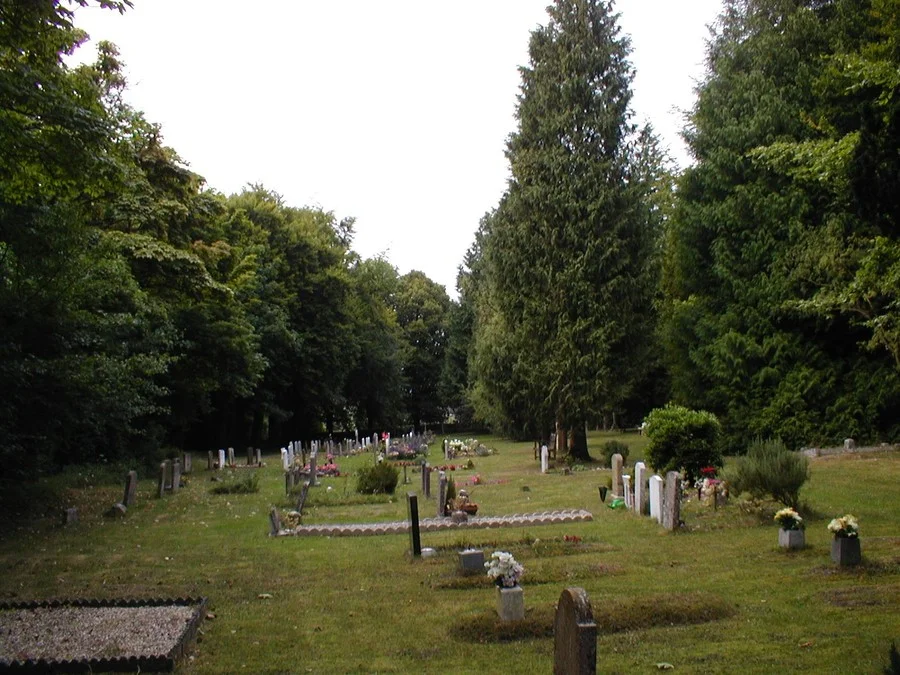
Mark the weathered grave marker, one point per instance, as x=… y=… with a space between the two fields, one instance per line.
x=426 y=480
x=176 y=475
x=656 y=497
x=274 y=521
x=574 y=635
x=259 y=456
x=672 y=501
x=629 y=495
x=304 y=491
x=187 y=462
x=545 y=458
x=209 y=460
x=221 y=459
x=130 y=488
x=70 y=516
x=312 y=466
x=471 y=561
x=412 y=507
x=640 y=491
x=288 y=482
x=442 y=495
x=616 y=462
x=250 y=456
x=161 y=487
x=230 y=456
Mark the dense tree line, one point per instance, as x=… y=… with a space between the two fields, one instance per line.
x=142 y=311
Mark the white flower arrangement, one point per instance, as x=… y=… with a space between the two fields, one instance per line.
x=504 y=569
x=788 y=519
x=845 y=526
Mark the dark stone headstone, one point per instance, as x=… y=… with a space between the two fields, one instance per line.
x=70 y=516
x=187 y=462
x=250 y=456
x=274 y=521
x=471 y=561
x=426 y=480
x=312 y=467
x=130 y=488
x=210 y=462
x=304 y=491
x=574 y=635
x=230 y=459
x=415 y=541
x=167 y=480
x=116 y=511
x=442 y=496
x=161 y=487
x=288 y=482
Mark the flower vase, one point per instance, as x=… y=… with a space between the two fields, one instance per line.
x=791 y=538
x=511 y=603
x=845 y=551
x=602 y=490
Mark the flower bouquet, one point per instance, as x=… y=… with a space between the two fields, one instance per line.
x=504 y=569
x=844 y=527
x=788 y=519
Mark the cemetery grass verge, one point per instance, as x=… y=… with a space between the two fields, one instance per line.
x=718 y=597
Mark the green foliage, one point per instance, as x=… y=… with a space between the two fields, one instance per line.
x=379 y=479
x=246 y=485
x=610 y=448
x=683 y=439
x=770 y=469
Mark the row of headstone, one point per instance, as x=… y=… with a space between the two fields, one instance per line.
x=649 y=496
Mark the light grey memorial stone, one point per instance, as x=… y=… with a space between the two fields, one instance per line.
x=656 y=497
x=230 y=456
x=471 y=561
x=312 y=467
x=511 y=603
x=304 y=491
x=640 y=490
x=130 y=488
x=259 y=456
x=274 y=521
x=187 y=462
x=616 y=462
x=221 y=459
x=284 y=459
x=672 y=501
x=849 y=444
x=288 y=482
x=545 y=458
x=574 y=635
x=176 y=475
x=629 y=495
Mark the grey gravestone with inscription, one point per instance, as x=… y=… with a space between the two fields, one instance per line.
x=471 y=561
x=574 y=634
x=187 y=462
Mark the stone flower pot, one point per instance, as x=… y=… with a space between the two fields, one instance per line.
x=845 y=551
x=511 y=603
x=791 y=538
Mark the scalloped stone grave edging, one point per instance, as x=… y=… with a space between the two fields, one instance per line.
x=435 y=524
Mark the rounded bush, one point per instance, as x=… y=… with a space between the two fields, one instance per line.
x=770 y=469
x=611 y=448
x=379 y=479
x=683 y=439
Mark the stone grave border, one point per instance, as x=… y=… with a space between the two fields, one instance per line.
x=122 y=664
x=436 y=524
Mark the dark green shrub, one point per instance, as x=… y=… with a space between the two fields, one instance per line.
x=683 y=439
x=769 y=468
x=244 y=486
x=381 y=478
x=610 y=448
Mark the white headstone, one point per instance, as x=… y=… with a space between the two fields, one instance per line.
x=640 y=496
x=284 y=459
x=656 y=497
x=545 y=458
x=221 y=458
x=626 y=488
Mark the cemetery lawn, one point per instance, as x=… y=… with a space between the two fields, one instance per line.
x=719 y=596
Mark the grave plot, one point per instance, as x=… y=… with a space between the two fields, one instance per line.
x=89 y=636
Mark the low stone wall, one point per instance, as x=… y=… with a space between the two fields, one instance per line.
x=840 y=450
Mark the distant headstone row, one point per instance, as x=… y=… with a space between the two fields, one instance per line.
x=651 y=496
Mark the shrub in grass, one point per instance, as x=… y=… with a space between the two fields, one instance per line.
x=611 y=448
x=244 y=486
x=379 y=479
x=770 y=469
x=683 y=439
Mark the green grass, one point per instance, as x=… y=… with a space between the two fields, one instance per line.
x=718 y=597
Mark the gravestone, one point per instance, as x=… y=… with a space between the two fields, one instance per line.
x=849 y=444
x=288 y=482
x=304 y=491
x=312 y=466
x=412 y=508
x=626 y=487
x=442 y=496
x=545 y=458
x=259 y=456
x=176 y=475
x=209 y=460
x=640 y=490
x=446 y=448
x=274 y=521
x=284 y=459
x=251 y=456
x=187 y=462
x=471 y=561
x=130 y=488
x=230 y=456
x=672 y=501
x=426 y=480
x=221 y=459
x=656 y=497
x=161 y=486
x=574 y=634
x=70 y=516
x=616 y=462
x=116 y=511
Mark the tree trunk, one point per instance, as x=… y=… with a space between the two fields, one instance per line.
x=579 y=448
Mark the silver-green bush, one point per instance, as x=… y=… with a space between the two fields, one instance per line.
x=770 y=469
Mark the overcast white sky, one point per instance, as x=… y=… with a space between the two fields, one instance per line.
x=395 y=112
